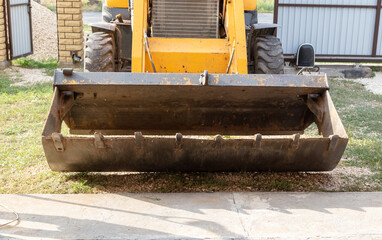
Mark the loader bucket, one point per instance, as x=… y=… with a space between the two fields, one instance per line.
x=191 y=122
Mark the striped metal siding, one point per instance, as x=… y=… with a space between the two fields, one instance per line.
x=20 y=28
x=333 y=31
x=185 y=18
x=379 y=44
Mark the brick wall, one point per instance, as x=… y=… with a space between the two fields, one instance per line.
x=69 y=26
x=3 y=56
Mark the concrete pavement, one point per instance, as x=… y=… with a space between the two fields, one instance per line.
x=194 y=215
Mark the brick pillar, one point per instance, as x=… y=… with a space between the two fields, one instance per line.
x=3 y=52
x=69 y=30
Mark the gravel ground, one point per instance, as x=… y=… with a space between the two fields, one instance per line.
x=374 y=84
x=44 y=31
x=28 y=77
x=342 y=178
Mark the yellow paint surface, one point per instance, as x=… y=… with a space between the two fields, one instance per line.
x=234 y=23
x=117 y=3
x=138 y=46
x=179 y=55
x=250 y=5
x=174 y=55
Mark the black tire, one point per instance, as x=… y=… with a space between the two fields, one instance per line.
x=269 y=57
x=100 y=53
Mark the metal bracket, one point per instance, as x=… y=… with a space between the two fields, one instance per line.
x=218 y=141
x=316 y=108
x=66 y=103
x=57 y=140
x=295 y=141
x=98 y=140
x=203 y=80
x=257 y=142
x=333 y=142
x=178 y=140
x=138 y=139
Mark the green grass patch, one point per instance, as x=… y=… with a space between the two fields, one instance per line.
x=361 y=113
x=51 y=8
x=87 y=29
x=49 y=65
x=94 y=6
x=265 y=6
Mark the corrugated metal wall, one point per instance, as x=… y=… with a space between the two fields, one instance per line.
x=379 y=44
x=332 y=30
x=20 y=28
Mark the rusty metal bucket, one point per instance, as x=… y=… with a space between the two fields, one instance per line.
x=186 y=122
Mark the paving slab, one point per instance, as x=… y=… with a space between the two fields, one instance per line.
x=194 y=216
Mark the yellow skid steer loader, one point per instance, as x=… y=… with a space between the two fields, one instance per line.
x=189 y=85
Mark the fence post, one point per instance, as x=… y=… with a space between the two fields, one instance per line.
x=376 y=28
x=69 y=31
x=3 y=46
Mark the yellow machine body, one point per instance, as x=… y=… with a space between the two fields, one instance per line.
x=186 y=76
x=249 y=5
x=117 y=3
x=182 y=55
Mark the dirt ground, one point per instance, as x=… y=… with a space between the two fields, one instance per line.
x=342 y=178
x=374 y=84
x=27 y=76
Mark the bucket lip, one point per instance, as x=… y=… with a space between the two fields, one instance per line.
x=139 y=154
x=191 y=79
x=200 y=137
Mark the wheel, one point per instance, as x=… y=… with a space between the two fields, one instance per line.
x=268 y=55
x=100 y=53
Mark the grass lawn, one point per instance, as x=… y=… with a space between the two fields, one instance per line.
x=86 y=5
x=265 y=6
x=23 y=168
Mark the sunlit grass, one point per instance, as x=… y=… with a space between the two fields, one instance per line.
x=265 y=6
x=49 y=65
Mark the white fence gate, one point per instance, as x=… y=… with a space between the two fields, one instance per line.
x=19 y=28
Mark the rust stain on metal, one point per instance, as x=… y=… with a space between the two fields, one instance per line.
x=216 y=78
x=261 y=81
x=188 y=81
x=72 y=82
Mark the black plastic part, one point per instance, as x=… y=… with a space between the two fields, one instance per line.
x=305 y=55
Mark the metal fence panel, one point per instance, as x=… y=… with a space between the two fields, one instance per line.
x=20 y=28
x=331 y=2
x=379 y=44
x=334 y=27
